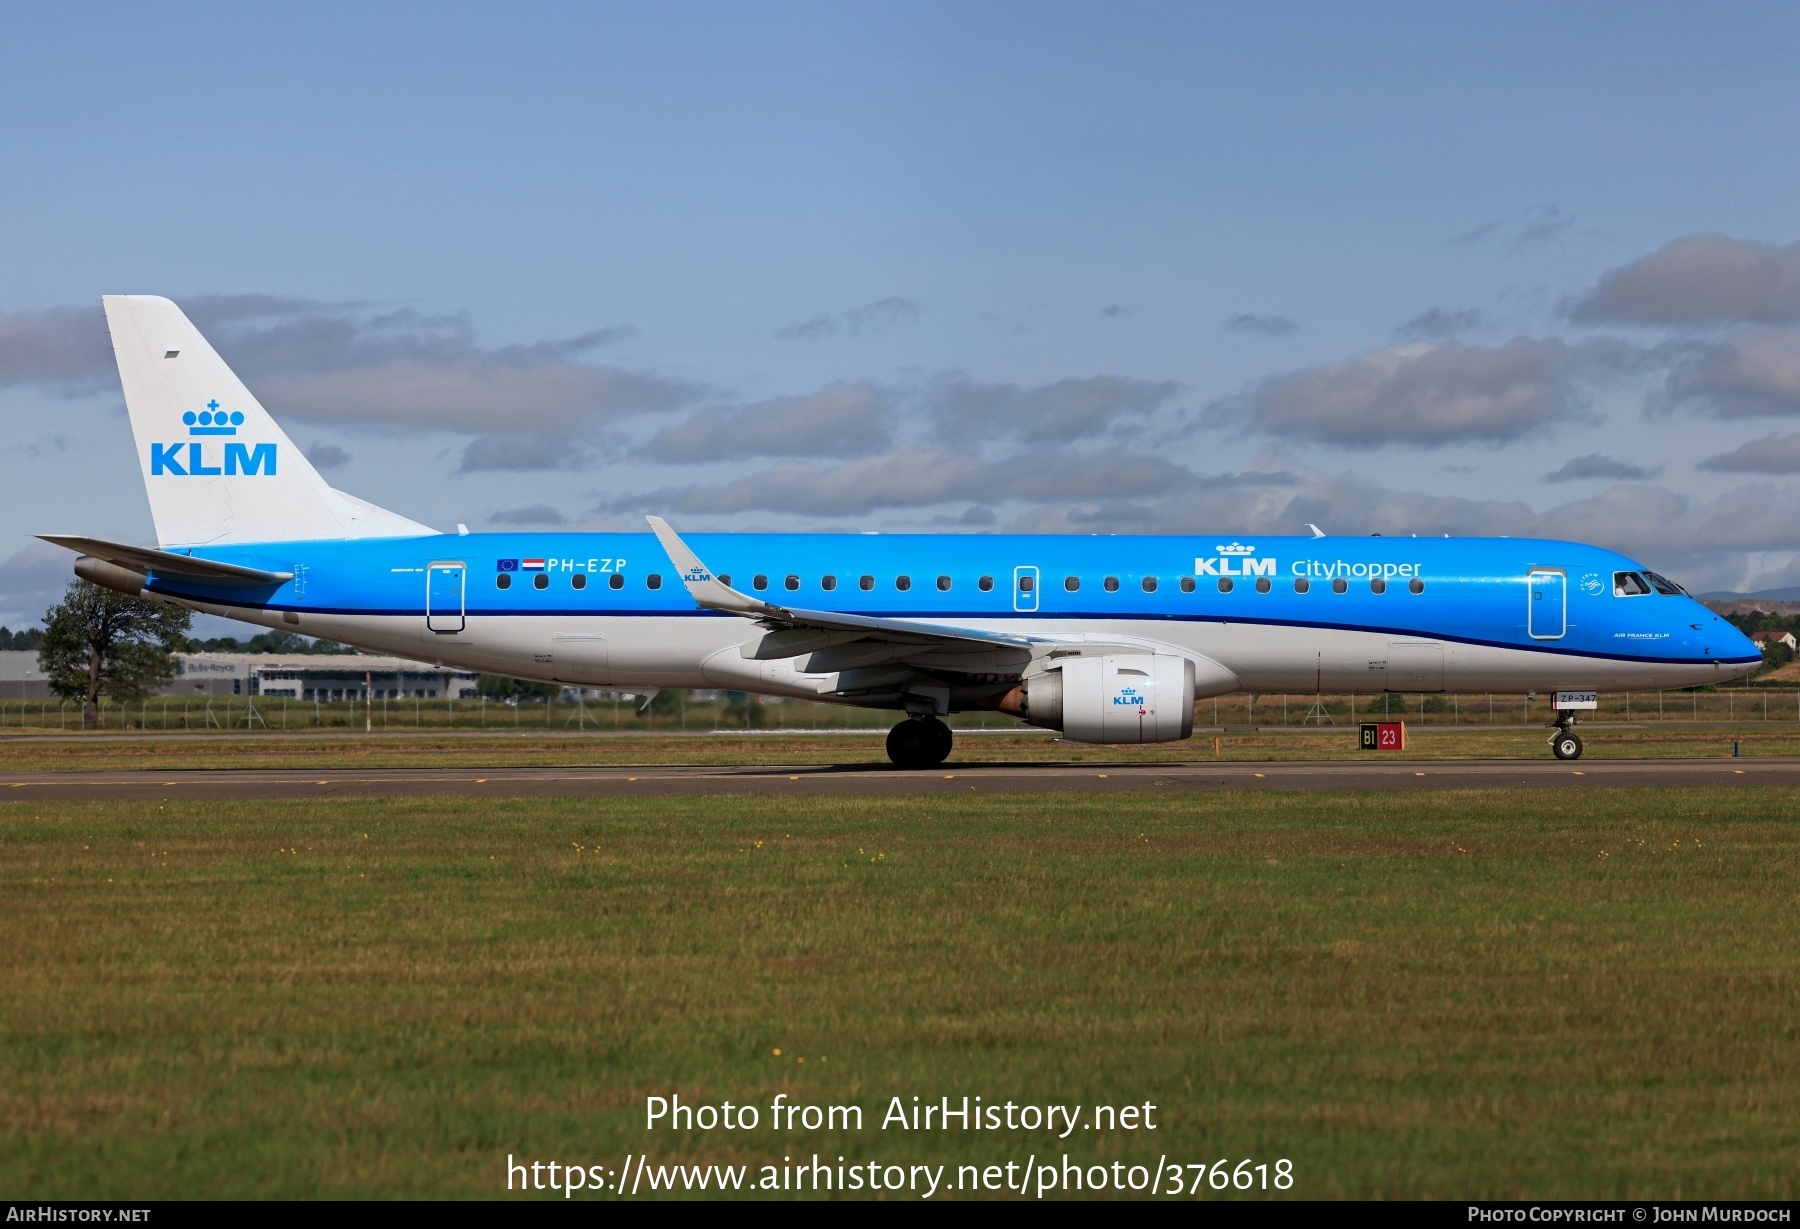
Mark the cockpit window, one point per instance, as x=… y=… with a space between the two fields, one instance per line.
x=1664 y=585
x=1629 y=584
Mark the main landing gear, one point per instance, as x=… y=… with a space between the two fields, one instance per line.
x=1565 y=743
x=919 y=742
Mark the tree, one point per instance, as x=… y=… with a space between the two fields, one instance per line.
x=99 y=642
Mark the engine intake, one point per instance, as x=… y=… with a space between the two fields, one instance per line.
x=1127 y=698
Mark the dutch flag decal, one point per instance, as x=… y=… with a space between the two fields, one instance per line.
x=531 y=565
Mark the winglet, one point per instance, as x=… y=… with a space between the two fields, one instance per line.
x=708 y=592
x=1317 y=532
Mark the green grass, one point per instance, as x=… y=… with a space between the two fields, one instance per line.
x=1472 y=994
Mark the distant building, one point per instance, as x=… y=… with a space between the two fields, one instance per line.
x=295 y=677
x=1763 y=640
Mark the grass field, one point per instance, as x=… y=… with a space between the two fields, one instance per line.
x=1471 y=994
x=325 y=749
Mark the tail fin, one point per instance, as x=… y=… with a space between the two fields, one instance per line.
x=216 y=466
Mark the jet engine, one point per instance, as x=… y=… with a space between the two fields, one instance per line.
x=1128 y=698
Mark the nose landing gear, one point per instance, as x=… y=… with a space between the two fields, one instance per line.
x=919 y=742
x=1565 y=743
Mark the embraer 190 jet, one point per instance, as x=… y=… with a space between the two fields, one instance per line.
x=1107 y=639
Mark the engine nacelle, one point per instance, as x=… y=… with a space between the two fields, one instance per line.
x=1127 y=698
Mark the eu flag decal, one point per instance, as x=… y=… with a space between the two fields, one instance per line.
x=506 y=565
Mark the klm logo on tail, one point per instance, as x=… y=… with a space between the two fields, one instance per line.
x=189 y=460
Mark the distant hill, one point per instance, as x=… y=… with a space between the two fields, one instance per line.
x=1761 y=595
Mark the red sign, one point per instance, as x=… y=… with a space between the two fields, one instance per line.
x=1384 y=736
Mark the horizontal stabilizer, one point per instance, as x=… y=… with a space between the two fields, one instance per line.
x=167 y=563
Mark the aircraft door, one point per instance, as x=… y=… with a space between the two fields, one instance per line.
x=444 y=597
x=1025 y=588
x=1547 y=604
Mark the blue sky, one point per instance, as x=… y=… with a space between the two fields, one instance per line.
x=1102 y=268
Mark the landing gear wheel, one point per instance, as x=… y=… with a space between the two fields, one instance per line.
x=919 y=743
x=1567 y=746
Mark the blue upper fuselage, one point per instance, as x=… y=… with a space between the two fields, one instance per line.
x=1504 y=592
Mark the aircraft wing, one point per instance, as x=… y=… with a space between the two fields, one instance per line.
x=709 y=593
x=168 y=563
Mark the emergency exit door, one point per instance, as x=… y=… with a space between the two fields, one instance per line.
x=1025 y=588
x=1547 y=613
x=444 y=583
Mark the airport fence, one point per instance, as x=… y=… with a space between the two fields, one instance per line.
x=699 y=714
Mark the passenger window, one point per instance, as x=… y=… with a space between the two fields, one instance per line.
x=1111 y=584
x=1415 y=585
x=943 y=584
x=1664 y=585
x=725 y=579
x=653 y=581
x=540 y=581
x=503 y=581
x=578 y=581
x=1149 y=584
x=1301 y=584
x=1340 y=585
x=759 y=582
x=1262 y=584
x=1377 y=585
x=791 y=584
x=985 y=584
x=616 y=581
x=903 y=583
x=1187 y=584
x=1026 y=583
x=1224 y=584
x=866 y=583
x=1072 y=583
x=1629 y=584
x=828 y=583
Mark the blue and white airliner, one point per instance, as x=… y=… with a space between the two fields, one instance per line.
x=1108 y=639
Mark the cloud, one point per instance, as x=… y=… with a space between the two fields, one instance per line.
x=518 y=452
x=1593 y=465
x=917 y=478
x=1755 y=372
x=1772 y=454
x=840 y=420
x=973 y=517
x=327 y=456
x=536 y=514
x=1263 y=326
x=1062 y=412
x=1440 y=323
x=870 y=318
x=364 y=366
x=67 y=348
x=1520 y=232
x=1698 y=279
x=1112 y=311
x=1427 y=395
x=32 y=581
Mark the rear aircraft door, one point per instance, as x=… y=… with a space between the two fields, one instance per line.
x=1025 y=588
x=1547 y=603
x=444 y=597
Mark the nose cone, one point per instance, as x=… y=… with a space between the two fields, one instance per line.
x=1725 y=644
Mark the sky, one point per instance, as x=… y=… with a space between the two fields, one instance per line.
x=1526 y=269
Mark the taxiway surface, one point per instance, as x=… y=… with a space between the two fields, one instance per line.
x=651 y=781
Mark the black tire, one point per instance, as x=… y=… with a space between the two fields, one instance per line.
x=1567 y=746
x=918 y=743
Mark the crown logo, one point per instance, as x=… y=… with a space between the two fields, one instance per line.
x=213 y=421
x=1236 y=548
